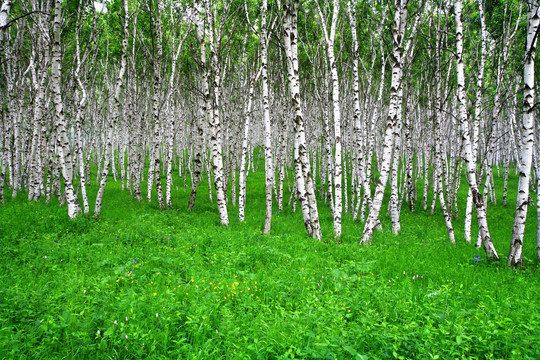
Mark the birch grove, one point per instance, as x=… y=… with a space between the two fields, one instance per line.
x=370 y=111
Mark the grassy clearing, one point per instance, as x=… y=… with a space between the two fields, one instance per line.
x=179 y=285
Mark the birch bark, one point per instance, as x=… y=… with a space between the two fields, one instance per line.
x=467 y=147
x=338 y=176
x=115 y=113
x=303 y=173
x=64 y=150
x=515 y=255
x=399 y=24
x=215 y=125
x=268 y=162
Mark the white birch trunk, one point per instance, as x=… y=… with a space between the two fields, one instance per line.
x=156 y=137
x=215 y=125
x=268 y=162
x=467 y=147
x=4 y=13
x=303 y=174
x=64 y=150
x=243 y=166
x=338 y=176
x=515 y=255
x=115 y=114
x=399 y=24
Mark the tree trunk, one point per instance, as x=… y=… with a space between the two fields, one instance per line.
x=400 y=20
x=467 y=147
x=64 y=150
x=115 y=114
x=515 y=255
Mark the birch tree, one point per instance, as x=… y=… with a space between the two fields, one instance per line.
x=330 y=39
x=394 y=113
x=467 y=147
x=63 y=146
x=515 y=255
x=304 y=180
x=115 y=112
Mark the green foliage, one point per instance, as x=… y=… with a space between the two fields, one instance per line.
x=233 y=293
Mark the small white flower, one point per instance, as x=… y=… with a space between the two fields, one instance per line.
x=126 y=337
x=115 y=323
x=157 y=315
x=45 y=257
x=126 y=319
x=98 y=333
x=404 y=273
x=84 y=291
x=316 y=299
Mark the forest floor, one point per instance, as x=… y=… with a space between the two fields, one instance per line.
x=145 y=283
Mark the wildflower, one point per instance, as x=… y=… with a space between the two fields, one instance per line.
x=157 y=317
x=134 y=260
x=155 y=294
x=84 y=291
x=477 y=258
x=45 y=257
x=115 y=323
x=98 y=333
x=126 y=320
x=126 y=338
x=169 y=238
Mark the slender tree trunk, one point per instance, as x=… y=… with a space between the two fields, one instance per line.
x=64 y=149
x=515 y=255
x=243 y=168
x=467 y=147
x=338 y=173
x=156 y=137
x=268 y=162
x=215 y=125
x=115 y=113
x=303 y=173
x=394 y=112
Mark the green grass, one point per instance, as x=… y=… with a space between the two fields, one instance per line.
x=232 y=293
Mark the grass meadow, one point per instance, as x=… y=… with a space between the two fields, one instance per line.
x=145 y=283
